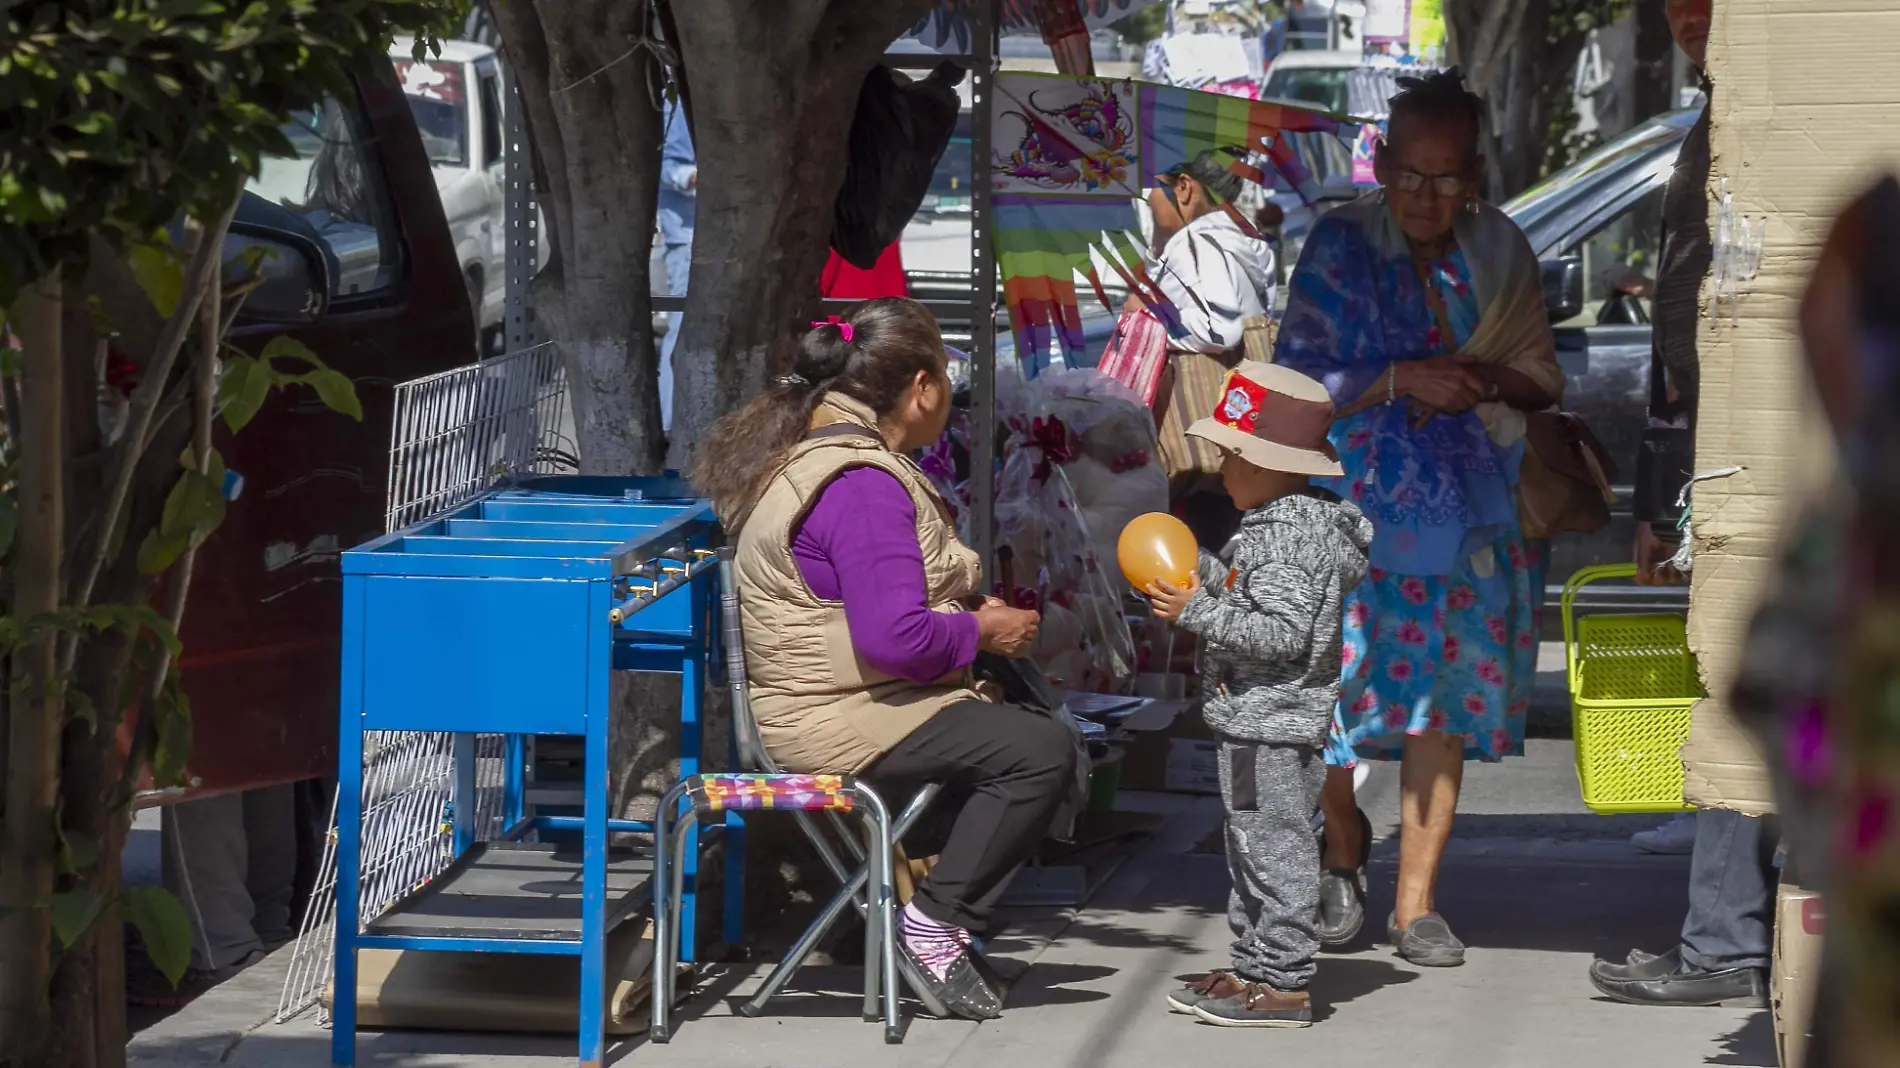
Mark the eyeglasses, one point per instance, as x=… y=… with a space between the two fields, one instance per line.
x=1445 y=185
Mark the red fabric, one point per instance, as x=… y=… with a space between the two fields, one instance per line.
x=885 y=279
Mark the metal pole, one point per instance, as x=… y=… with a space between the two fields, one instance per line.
x=982 y=297
x=521 y=223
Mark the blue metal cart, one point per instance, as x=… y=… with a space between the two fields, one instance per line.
x=504 y=617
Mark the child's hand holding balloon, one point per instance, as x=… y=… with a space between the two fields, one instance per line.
x=1170 y=600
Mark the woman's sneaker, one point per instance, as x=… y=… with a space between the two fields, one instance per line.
x=1258 y=1005
x=1209 y=987
x=943 y=953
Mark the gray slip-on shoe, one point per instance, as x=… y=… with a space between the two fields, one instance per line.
x=1427 y=942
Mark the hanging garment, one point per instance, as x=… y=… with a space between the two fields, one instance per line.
x=897 y=136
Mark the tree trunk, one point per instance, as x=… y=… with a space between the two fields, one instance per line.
x=34 y=701
x=1502 y=47
x=589 y=89
x=770 y=112
x=771 y=150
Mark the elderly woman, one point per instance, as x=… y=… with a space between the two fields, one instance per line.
x=1420 y=308
x=858 y=643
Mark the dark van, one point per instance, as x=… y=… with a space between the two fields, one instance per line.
x=363 y=273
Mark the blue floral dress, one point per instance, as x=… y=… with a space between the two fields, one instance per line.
x=1443 y=634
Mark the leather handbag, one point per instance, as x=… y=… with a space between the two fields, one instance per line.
x=1563 y=484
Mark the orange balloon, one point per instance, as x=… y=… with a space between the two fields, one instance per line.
x=1157 y=546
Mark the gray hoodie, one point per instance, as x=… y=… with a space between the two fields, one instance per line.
x=1270 y=625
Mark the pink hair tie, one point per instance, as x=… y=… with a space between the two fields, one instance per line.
x=844 y=328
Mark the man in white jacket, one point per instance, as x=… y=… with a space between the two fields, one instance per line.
x=1210 y=269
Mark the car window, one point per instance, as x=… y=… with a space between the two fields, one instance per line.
x=1323 y=87
x=491 y=118
x=1626 y=248
x=1624 y=151
x=438 y=96
x=334 y=183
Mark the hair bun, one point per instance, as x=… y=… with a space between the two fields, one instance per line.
x=824 y=353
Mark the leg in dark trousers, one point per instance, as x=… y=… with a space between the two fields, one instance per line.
x=1731 y=893
x=1273 y=859
x=1014 y=765
x=1724 y=955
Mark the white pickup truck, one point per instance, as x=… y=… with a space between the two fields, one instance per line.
x=458 y=99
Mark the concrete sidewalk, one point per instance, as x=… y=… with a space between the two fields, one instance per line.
x=1532 y=884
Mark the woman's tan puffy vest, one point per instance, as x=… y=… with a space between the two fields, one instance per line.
x=819 y=706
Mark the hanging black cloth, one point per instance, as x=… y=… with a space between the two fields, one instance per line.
x=898 y=134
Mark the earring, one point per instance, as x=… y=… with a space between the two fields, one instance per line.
x=1472 y=205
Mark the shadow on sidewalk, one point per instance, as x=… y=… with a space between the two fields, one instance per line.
x=1752 y=1045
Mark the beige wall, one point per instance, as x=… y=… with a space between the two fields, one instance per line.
x=1807 y=113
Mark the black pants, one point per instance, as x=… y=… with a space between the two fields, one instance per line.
x=1013 y=766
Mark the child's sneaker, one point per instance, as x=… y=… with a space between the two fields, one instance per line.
x=1210 y=986
x=1258 y=1005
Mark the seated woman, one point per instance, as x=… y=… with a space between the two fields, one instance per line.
x=1421 y=309
x=861 y=624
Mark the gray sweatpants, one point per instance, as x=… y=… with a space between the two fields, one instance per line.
x=1271 y=792
x=232 y=861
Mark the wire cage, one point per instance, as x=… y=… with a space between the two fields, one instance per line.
x=455 y=435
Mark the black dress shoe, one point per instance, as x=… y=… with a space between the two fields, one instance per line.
x=1666 y=980
x=1639 y=967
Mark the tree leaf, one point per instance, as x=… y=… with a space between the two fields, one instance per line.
x=171 y=747
x=337 y=391
x=159 y=551
x=160 y=274
x=242 y=390
x=164 y=928
x=77 y=852
x=73 y=912
x=285 y=347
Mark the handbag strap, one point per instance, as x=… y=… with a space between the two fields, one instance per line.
x=1590 y=459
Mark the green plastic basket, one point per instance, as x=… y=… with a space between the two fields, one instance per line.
x=1632 y=683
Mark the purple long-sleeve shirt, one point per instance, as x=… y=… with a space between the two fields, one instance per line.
x=858 y=544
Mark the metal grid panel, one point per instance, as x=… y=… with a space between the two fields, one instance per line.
x=456 y=432
x=408 y=797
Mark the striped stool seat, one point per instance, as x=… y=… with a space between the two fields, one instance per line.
x=787 y=793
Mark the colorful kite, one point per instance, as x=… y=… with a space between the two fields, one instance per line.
x=1071 y=155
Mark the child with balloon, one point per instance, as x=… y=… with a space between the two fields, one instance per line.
x=1269 y=628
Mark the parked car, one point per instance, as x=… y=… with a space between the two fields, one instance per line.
x=459 y=106
x=363 y=272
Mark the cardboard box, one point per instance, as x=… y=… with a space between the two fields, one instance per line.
x=1790 y=149
x=1799 y=923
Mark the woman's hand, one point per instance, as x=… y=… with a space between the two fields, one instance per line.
x=1005 y=631
x=1653 y=556
x=1170 y=600
x=1440 y=382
